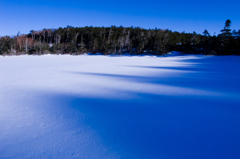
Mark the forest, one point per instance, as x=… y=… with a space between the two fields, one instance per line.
x=120 y=40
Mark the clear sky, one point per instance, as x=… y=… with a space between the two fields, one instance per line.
x=175 y=15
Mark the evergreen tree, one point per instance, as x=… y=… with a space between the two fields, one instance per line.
x=227 y=31
x=226 y=42
x=206 y=33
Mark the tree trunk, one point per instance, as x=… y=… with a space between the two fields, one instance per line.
x=26 y=45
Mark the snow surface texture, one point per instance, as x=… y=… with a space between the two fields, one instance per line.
x=64 y=106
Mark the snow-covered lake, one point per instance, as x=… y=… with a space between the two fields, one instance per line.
x=120 y=107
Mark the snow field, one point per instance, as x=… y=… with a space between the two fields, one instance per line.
x=119 y=107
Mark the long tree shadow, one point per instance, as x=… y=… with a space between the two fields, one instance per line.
x=203 y=80
x=208 y=75
x=144 y=124
x=165 y=126
x=154 y=126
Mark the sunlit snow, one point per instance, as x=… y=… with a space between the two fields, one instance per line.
x=62 y=106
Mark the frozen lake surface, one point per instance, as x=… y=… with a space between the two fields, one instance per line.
x=180 y=107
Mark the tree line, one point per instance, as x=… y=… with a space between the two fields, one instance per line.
x=118 y=40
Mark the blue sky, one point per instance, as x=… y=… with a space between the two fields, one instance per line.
x=176 y=15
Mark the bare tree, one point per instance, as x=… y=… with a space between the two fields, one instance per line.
x=26 y=45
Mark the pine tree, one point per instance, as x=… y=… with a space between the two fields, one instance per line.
x=226 y=38
x=206 y=33
x=227 y=31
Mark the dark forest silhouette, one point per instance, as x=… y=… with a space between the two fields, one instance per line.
x=118 y=40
